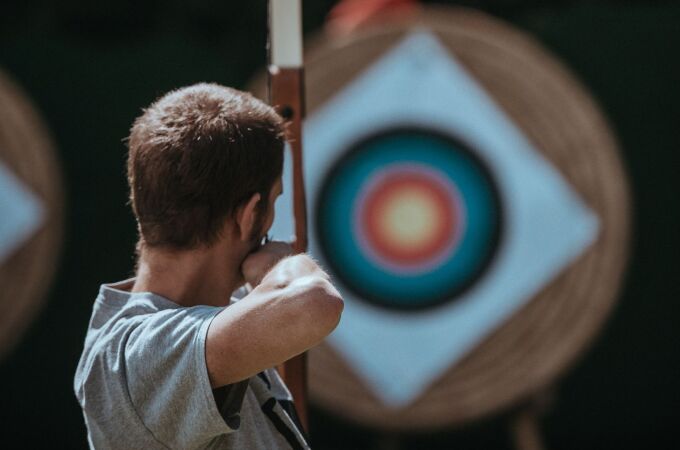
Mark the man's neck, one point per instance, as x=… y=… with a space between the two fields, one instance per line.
x=188 y=278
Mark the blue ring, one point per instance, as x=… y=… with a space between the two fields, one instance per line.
x=366 y=277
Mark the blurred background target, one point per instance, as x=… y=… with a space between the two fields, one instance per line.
x=31 y=208
x=408 y=218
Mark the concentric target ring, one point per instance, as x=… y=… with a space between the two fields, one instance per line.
x=409 y=218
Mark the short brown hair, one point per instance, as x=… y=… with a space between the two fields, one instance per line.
x=195 y=155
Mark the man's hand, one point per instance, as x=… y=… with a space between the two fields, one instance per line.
x=257 y=264
x=293 y=309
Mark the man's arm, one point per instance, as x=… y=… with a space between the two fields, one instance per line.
x=292 y=309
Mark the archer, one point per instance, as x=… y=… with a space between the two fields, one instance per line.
x=170 y=359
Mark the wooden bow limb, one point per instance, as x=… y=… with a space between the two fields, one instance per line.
x=286 y=94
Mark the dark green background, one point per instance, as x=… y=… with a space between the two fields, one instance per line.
x=91 y=65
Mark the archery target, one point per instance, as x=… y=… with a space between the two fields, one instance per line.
x=408 y=218
x=403 y=169
x=476 y=92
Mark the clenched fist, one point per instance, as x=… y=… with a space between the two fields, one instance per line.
x=257 y=264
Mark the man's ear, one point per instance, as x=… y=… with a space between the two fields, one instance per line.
x=246 y=215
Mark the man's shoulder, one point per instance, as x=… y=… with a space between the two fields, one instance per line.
x=140 y=316
x=137 y=335
x=122 y=321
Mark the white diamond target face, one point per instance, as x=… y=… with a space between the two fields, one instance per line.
x=432 y=212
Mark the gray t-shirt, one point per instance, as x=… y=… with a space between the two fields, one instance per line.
x=142 y=382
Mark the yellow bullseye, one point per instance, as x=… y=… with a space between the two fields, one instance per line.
x=409 y=218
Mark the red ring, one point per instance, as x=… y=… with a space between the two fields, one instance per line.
x=373 y=210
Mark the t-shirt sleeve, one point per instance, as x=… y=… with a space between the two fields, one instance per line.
x=168 y=379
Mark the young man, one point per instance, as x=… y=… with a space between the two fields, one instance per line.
x=170 y=360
